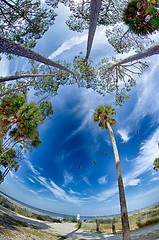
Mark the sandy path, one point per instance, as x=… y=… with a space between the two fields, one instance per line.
x=60 y=228
x=147 y=233
x=72 y=233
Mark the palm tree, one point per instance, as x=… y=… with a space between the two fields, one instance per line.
x=142 y=16
x=20 y=120
x=9 y=162
x=104 y=116
x=156 y=164
x=95 y=6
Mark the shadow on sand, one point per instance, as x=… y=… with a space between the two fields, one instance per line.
x=10 y=220
x=78 y=234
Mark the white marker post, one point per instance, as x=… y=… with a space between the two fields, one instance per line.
x=78 y=220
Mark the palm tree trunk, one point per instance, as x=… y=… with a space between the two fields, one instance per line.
x=124 y=214
x=95 y=6
x=4 y=174
x=10 y=47
x=10 y=78
x=9 y=149
x=146 y=53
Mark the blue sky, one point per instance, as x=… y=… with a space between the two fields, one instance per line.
x=60 y=175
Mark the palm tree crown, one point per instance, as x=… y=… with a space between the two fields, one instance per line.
x=104 y=114
x=142 y=16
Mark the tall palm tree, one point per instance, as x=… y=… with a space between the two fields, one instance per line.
x=104 y=115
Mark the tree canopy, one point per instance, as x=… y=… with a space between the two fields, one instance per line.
x=79 y=19
x=19 y=121
x=25 y=21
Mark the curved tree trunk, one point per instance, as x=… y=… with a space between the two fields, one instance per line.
x=124 y=214
x=10 y=47
x=14 y=77
x=4 y=175
x=8 y=150
x=146 y=53
x=6 y=172
x=17 y=88
x=95 y=6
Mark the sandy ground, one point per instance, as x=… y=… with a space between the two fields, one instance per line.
x=39 y=230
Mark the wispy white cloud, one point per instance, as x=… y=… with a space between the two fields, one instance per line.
x=58 y=192
x=104 y=195
x=148 y=152
x=32 y=168
x=102 y=180
x=31 y=180
x=68 y=178
x=13 y=175
x=85 y=179
x=155 y=179
x=68 y=45
x=32 y=191
x=84 y=123
x=124 y=135
x=50 y=199
x=84 y=110
x=147 y=92
x=73 y=192
x=132 y=182
x=144 y=162
x=147 y=193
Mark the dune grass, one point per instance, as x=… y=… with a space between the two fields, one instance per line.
x=137 y=220
x=25 y=212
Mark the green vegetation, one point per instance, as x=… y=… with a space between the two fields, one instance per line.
x=156 y=164
x=19 y=122
x=137 y=220
x=25 y=212
x=142 y=16
x=9 y=227
x=25 y=21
